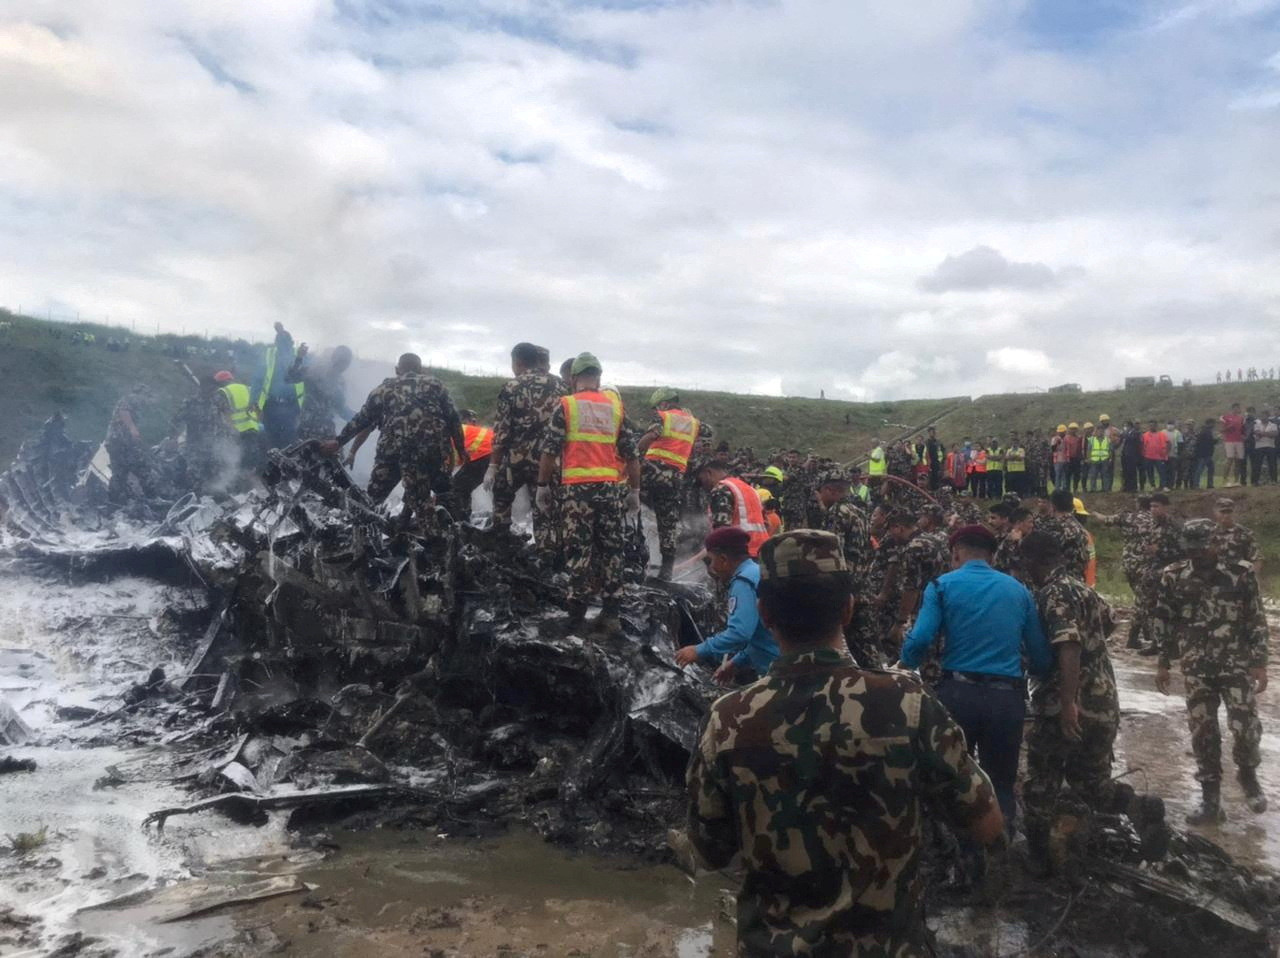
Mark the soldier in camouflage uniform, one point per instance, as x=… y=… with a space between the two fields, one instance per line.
x=325 y=397
x=1210 y=615
x=822 y=775
x=1062 y=524
x=1008 y=557
x=796 y=493
x=593 y=508
x=1233 y=542
x=525 y=406
x=1076 y=709
x=1038 y=459
x=418 y=432
x=209 y=439
x=900 y=460
x=1135 y=532
x=1162 y=545
x=129 y=456
x=663 y=470
x=846 y=519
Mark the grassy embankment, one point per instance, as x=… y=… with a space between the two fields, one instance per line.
x=41 y=374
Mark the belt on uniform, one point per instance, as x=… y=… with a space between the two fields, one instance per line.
x=990 y=681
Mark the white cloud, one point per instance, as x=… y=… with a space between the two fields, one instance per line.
x=1013 y=359
x=733 y=195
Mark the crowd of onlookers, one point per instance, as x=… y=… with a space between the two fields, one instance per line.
x=1253 y=374
x=1092 y=457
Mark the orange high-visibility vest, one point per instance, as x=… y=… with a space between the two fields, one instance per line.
x=478 y=440
x=675 y=445
x=748 y=513
x=592 y=423
x=980 y=461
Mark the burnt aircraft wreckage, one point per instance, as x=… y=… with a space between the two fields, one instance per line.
x=341 y=669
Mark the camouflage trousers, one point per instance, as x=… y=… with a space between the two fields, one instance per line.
x=1204 y=694
x=421 y=476
x=127 y=459
x=1053 y=760
x=1143 y=584
x=664 y=491
x=593 y=538
x=512 y=476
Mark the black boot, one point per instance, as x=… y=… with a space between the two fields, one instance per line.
x=609 y=622
x=1254 y=798
x=1038 y=863
x=1210 y=810
x=668 y=568
x=577 y=616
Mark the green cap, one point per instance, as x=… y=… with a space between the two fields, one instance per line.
x=805 y=552
x=584 y=362
x=663 y=394
x=773 y=472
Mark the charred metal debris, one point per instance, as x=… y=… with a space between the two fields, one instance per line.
x=345 y=669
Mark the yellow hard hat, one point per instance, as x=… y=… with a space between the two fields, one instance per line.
x=1061 y=428
x=1104 y=418
x=764 y=494
x=1077 y=506
x=1088 y=425
x=773 y=472
x=1073 y=425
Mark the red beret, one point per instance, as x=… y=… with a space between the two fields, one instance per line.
x=731 y=539
x=974 y=535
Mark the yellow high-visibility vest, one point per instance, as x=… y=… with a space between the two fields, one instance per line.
x=242 y=416
x=878 y=465
x=298 y=388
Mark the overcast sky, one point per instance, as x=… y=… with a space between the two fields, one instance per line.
x=876 y=199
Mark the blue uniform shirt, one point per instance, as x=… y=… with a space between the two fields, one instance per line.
x=744 y=636
x=988 y=618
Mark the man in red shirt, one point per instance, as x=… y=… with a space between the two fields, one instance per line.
x=1233 y=445
x=1155 y=456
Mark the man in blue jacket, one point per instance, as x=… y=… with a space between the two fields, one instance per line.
x=744 y=641
x=989 y=619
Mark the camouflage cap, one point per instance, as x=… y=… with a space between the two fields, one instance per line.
x=899 y=517
x=1197 y=533
x=805 y=552
x=833 y=477
x=663 y=394
x=935 y=513
x=1225 y=505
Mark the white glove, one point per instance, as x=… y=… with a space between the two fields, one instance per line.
x=490 y=475
x=543 y=499
x=633 y=502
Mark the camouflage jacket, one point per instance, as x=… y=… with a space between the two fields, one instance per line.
x=205 y=420
x=884 y=556
x=1008 y=558
x=848 y=520
x=117 y=431
x=822 y=775
x=1236 y=544
x=325 y=398
x=1135 y=529
x=899 y=462
x=925 y=557
x=413 y=414
x=1072 y=540
x=1163 y=545
x=525 y=406
x=1210 y=617
x=1070 y=611
x=796 y=493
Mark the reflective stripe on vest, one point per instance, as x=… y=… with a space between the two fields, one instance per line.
x=748 y=513
x=298 y=388
x=995 y=460
x=238 y=399
x=592 y=423
x=877 y=467
x=1015 y=465
x=1099 y=449
x=478 y=440
x=675 y=445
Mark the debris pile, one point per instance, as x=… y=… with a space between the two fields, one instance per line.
x=341 y=667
